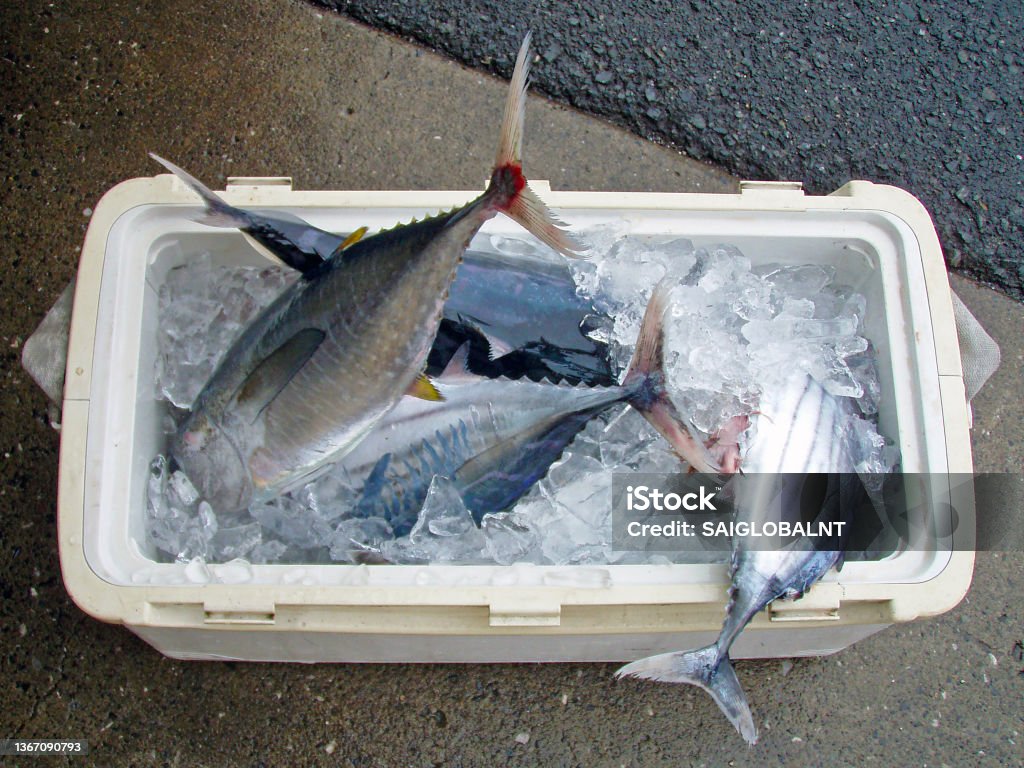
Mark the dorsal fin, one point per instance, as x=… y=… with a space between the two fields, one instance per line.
x=457 y=369
x=496 y=347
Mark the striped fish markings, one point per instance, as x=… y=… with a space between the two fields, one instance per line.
x=799 y=450
x=494 y=438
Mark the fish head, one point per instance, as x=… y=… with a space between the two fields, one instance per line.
x=213 y=463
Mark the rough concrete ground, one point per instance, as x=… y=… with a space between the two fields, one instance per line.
x=262 y=88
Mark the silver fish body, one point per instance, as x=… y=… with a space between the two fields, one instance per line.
x=800 y=453
x=324 y=362
x=496 y=299
x=316 y=370
x=494 y=438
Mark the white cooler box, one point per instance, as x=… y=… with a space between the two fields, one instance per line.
x=878 y=238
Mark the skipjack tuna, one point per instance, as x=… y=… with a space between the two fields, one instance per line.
x=803 y=432
x=313 y=374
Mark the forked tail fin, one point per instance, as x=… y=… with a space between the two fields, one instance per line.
x=218 y=213
x=508 y=189
x=645 y=380
x=708 y=669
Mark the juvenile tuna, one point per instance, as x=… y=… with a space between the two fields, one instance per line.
x=522 y=311
x=337 y=350
x=494 y=438
x=802 y=460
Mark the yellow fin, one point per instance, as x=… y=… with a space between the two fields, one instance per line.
x=352 y=239
x=424 y=389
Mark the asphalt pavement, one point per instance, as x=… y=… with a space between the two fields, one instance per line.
x=262 y=87
x=925 y=95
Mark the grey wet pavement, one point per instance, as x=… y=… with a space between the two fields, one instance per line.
x=256 y=87
x=923 y=94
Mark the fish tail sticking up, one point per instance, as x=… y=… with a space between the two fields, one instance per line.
x=645 y=381
x=508 y=190
x=708 y=668
x=218 y=213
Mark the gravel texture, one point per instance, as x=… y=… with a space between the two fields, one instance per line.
x=923 y=95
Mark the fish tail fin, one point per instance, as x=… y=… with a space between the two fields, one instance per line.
x=218 y=213
x=645 y=381
x=707 y=668
x=508 y=189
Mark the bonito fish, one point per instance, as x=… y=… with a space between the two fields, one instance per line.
x=494 y=438
x=802 y=457
x=337 y=349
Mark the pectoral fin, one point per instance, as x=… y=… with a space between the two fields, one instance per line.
x=273 y=374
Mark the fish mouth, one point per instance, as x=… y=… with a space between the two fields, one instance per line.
x=218 y=471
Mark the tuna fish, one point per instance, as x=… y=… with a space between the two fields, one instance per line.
x=524 y=312
x=494 y=438
x=802 y=459
x=313 y=373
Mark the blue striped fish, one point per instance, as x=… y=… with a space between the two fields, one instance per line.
x=494 y=438
x=801 y=455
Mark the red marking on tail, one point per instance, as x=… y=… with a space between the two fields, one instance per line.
x=518 y=178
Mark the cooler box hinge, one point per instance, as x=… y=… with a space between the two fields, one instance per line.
x=748 y=186
x=785 y=194
x=251 y=182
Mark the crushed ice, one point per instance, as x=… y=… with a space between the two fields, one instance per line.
x=730 y=326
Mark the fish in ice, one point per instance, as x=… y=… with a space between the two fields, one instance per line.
x=802 y=458
x=523 y=317
x=494 y=438
x=320 y=366
x=524 y=311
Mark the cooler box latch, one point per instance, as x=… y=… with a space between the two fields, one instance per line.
x=214 y=613
x=519 y=612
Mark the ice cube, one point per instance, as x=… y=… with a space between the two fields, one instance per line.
x=720 y=267
x=180 y=490
x=445 y=530
x=236 y=542
x=803 y=281
x=293 y=523
x=508 y=537
x=360 y=535
x=330 y=497
x=235 y=572
x=518 y=246
x=581 y=485
x=625 y=439
x=197 y=571
x=268 y=552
